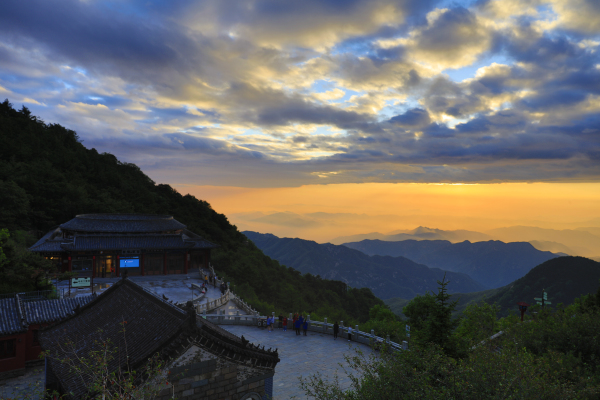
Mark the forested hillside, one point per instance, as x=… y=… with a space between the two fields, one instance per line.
x=47 y=177
x=386 y=276
x=563 y=278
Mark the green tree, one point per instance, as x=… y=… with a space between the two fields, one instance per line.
x=430 y=318
x=20 y=269
x=478 y=322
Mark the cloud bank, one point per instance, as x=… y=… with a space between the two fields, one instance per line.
x=271 y=93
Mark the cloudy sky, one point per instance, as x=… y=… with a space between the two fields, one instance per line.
x=272 y=94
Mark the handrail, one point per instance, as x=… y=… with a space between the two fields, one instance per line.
x=252 y=317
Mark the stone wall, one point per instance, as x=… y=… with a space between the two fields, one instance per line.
x=198 y=374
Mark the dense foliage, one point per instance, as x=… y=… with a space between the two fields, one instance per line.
x=552 y=355
x=47 y=177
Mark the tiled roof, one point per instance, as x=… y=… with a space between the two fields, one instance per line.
x=148 y=321
x=16 y=315
x=126 y=242
x=121 y=231
x=151 y=325
x=10 y=317
x=49 y=246
x=122 y=223
x=44 y=311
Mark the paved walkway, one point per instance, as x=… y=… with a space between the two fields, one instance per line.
x=301 y=356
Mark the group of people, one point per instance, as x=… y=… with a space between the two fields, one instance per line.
x=336 y=331
x=210 y=279
x=283 y=322
x=300 y=322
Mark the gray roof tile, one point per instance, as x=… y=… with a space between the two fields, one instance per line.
x=44 y=311
x=125 y=223
x=10 y=317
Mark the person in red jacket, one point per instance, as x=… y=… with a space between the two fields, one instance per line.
x=285 y=324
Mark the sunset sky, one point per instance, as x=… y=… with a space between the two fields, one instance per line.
x=450 y=114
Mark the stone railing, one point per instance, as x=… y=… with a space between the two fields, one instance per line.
x=251 y=317
x=369 y=339
x=211 y=305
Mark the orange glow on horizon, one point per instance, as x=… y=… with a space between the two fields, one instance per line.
x=389 y=207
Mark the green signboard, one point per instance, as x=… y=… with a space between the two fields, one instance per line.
x=81 y=282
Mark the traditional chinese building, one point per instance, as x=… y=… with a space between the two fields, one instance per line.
x=203 y=361
x=20 y=322
x=103 y=245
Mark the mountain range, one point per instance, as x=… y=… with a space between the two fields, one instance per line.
x=492 y=263
x=386 y=276
x=563 y=278
x=420 y=233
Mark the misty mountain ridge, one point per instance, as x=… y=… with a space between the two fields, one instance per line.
x=493 y=263
x=581 y=241
x=386 y=276
x=419 y=233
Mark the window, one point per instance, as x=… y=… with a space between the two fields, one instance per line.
x=8 y=348
x=81 y=264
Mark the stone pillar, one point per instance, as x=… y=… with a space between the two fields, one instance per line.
x=372 y=337
x=356 y=332
x=404 y=345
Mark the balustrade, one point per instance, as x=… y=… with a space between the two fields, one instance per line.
x=252 y=317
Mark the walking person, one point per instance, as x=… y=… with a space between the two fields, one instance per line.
x=349 y=333
x=294 y=320
x=280 y=321
x=206 y=279
x=285 y=322
x=305 y=326
x=297 y=326
x=336 y=330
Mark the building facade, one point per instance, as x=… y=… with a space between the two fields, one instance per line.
x=105 y=245
x=202 y=360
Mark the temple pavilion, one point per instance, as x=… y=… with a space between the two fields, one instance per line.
x=104 y=245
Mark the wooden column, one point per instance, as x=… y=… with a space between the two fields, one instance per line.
x=118 y=266
x=185 y=262
x=70 y=266
x=142 y=265
x=165 y=263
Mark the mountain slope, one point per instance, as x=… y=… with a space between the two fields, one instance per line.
x=47 y=177
x=385 y=276
x=563 y=278
x=492 y=263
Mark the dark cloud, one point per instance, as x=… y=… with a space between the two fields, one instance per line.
x=413 y=117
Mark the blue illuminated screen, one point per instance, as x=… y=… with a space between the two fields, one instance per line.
x=129 y=262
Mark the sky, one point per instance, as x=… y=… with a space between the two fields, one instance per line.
x=238 y=101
